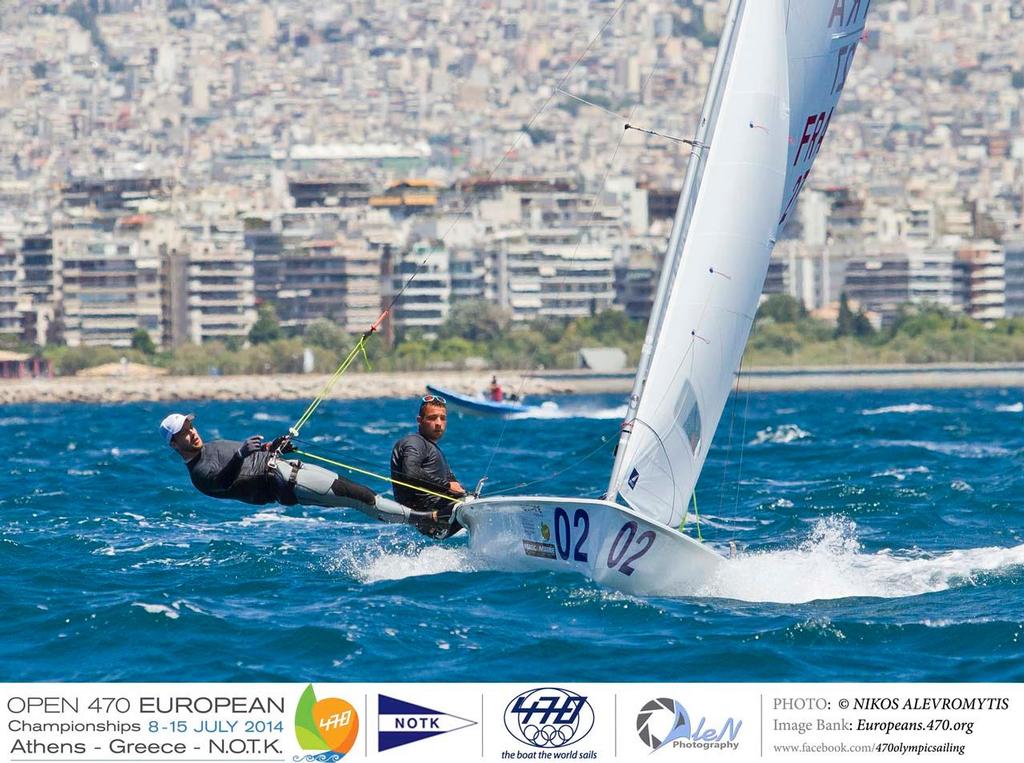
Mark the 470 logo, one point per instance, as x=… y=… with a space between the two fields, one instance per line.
x=549 y=717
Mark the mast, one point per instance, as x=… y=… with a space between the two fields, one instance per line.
x=680 y=225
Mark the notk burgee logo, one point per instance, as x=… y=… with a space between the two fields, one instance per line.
x=328 y=727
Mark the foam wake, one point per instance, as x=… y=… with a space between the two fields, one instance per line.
x=373 y=564
x=553 y=411
x=830 y=564
x=908 y=408
x=781 y=435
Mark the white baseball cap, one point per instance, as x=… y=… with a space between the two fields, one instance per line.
x=173 y=424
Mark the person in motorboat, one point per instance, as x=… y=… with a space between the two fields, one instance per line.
x=254 y=471
x=429 y=483
x=495 y=391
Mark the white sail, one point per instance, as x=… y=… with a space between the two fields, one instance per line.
x=724 y=260
x=787 y=71
x=778 y=74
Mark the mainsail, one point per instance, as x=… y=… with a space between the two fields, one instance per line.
x=786 y=63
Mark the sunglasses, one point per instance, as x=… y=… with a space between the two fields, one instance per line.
x=437 y=399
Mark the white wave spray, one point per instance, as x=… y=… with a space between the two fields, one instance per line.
x=553 y=411
x=373 y=564
x=830 y=564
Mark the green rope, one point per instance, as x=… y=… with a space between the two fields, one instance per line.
x=359 y=349
x=696 y=514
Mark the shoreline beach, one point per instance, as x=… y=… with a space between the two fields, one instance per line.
x=355 y=386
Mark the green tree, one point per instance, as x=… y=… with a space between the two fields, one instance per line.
x=476 y=320
x=266 y=328
x=862 y=327
x=915 y=320
x=782 y=308
x=143 y=342
x=844 y=324
x=327 y=335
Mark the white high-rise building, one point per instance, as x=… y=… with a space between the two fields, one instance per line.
x=111 y=286
x=551 y=274
x=220 y=286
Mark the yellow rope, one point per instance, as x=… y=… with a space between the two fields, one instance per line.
x=328 y=385
x=377 y=476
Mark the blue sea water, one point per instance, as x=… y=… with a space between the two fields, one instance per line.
x=881 y=538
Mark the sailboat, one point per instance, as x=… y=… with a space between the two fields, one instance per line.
x=778 y=75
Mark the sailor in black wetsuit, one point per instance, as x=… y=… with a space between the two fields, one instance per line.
x=417 y=460
x=252 y=472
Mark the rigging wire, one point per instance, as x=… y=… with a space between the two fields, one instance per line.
x=743 y=440
x=728 y=447
x=504 y=426
x=560 y=472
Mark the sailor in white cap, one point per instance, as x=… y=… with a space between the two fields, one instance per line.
x=253 y=471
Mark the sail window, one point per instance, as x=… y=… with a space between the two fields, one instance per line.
x=687 y=417
x=691 y=427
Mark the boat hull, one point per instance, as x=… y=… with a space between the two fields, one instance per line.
x=608 y=543
x=478 y=405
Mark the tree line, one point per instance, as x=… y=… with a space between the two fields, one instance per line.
x=481 y=334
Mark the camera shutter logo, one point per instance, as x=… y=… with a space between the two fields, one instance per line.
x=663 y=721
x=549 y=717
x=660 y=721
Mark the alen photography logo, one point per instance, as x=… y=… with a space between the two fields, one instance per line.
x=549 y=717
x=329 y=727
x=400 y=722
x=663 y=722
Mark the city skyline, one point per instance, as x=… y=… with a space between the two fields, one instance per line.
x=173 y=164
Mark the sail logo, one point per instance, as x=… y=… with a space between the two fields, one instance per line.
x=664 y=722
x=328 y=726
x=634 y=477
x=400 y=722
x=549 y=717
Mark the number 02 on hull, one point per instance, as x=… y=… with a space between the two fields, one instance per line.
x=608 y=543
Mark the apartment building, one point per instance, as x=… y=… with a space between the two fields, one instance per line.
x=553 y=274
x=40 y=282
x=985 y=278
x=110 y=286
x=427 y=298
x=10 y=297
x=220 y=291
x=337 y=279
x=1014 y=252
x=473 y=273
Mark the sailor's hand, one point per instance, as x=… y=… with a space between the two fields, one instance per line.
x=282 y=444
x=455 y=488
x=251 y=445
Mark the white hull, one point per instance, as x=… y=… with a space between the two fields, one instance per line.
x=608 y=543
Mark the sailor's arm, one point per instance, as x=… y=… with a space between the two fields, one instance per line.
x=454 y=486
x=410 y=467
x=226 y=477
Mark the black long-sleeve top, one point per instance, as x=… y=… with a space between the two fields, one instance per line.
x=418 y=461
x=219 y=471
